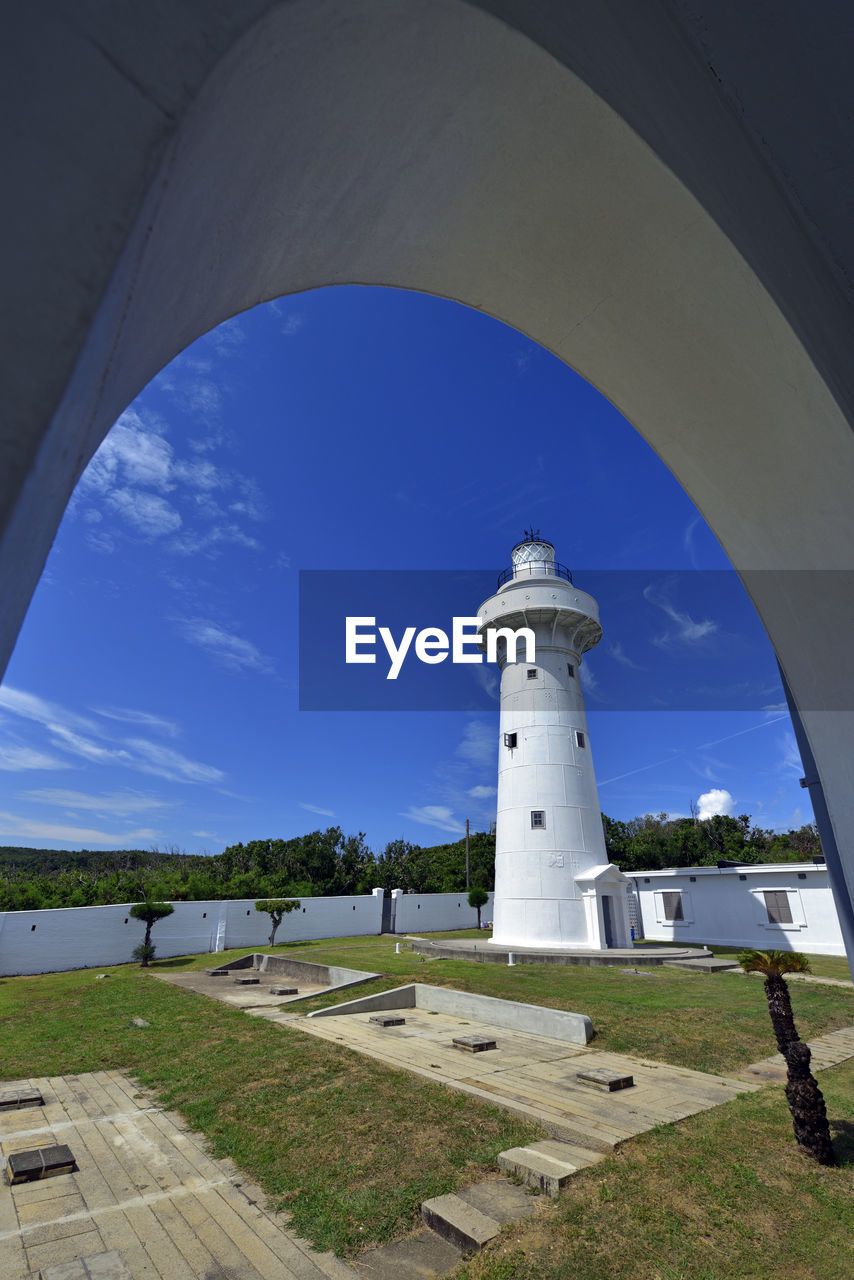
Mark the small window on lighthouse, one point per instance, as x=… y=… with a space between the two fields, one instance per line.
x=510 y=739
x=532 y=673
x=579 y=738
x=570 y=669
x=538 y=817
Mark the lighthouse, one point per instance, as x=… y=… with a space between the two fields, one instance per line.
x=554 y=887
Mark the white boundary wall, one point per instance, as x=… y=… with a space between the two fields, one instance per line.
x=726 y=907
x=432 y=912
x=83 y=937
x=86 y=937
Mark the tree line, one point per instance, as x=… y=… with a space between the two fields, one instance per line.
x=330 y=863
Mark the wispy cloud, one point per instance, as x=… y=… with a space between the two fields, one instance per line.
x=482 y=793
x=479 y=743
x=17 y=758
x=686 y=629
x=21 y=828
x=435 y=815
x=227 y=649
x=619 y=654
x=126 y=715
x=688 y=539
x=117 y=804
x=161 y=761
x=313 y=808
x=90 y=740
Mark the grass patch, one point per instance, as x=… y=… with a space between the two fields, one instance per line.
x=723 y=1194
x=348 y=1146
x=714 y=1023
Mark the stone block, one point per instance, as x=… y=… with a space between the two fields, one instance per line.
x=608 y=1081
x=474 y=1044
x=217 y=973
x=387 y=1020
x=98 y=1266
x=460 y=1223
x=15 y=1099
x=284 y=991
x=246 y=982
x=41 y=1162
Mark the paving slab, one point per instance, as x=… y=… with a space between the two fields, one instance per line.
x=425 y=1256
x=145 y=1196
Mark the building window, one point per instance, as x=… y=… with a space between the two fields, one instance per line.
x=532 y=673
x=570 y=669
x=672 y=905
x=538 y=818
x=579 y=738
x=510 y=739
x=777 y=906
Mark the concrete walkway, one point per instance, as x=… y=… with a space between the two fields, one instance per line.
x=145 y=1201
x=532 y=1076
x=827 y=1051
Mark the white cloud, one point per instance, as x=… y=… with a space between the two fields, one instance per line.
x=20 y=828
x=479 y=744
x=133 y=453
x=16 y=759
x=313 y=808
x=191 y=543
x=716 y=801
x=482 y=793
x=147 y=513
x=688 y=631
x=118 y=804
x=435 y=815
x=790 y=756
x=227 y=649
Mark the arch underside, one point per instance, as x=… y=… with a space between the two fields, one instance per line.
x=433 y=146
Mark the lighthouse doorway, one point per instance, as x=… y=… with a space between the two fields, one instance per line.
x=606 y=920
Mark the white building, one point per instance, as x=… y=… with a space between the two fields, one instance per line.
x=785 y=906
x=554 y=887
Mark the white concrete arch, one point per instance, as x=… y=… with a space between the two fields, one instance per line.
x=433 y=146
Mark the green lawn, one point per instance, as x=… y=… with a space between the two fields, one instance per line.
x=352 y=1147
x=722 y=1195
x=349 y=1146
x=708 y=1022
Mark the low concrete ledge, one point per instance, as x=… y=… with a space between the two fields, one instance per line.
x=558 y=1024
x=327 y=977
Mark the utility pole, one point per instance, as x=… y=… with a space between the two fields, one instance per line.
x=468 y=869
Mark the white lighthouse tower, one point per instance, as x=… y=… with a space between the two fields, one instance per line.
x=554 y=887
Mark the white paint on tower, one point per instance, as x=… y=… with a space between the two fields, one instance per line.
x=554 y=887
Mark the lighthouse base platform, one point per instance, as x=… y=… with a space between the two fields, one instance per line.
x=488 y=952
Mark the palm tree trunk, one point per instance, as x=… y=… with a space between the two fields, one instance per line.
x=780 y=1009
x=806 y=1103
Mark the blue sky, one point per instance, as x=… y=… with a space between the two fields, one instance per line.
x=152 y=699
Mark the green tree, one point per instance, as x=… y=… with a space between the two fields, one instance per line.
x=149 y=912
x=277 y=909
x=805 y=1099
x=478 y=898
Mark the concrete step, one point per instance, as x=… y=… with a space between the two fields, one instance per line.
x=581 y=1157
x=422 y=1257
x=459 y=1222
x=499 y=1199
x=712 y=964
x=547 y=1170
